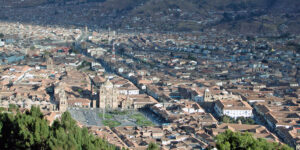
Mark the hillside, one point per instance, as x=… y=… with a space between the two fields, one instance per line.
x=247 y=16
x=31 y=131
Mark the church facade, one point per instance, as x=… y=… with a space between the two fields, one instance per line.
x=110 y=97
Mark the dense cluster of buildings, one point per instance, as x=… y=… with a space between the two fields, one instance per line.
x=226 y=77
x=189 y=82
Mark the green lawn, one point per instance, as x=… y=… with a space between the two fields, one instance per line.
x=110 y=118
x=106 y=116
x=117 y=112
x=137 y=116
x=141 y=120
x=111 y=123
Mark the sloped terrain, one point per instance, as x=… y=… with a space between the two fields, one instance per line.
x=245 y=16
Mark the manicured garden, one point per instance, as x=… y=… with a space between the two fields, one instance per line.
x=141 y=120
x=116 y=118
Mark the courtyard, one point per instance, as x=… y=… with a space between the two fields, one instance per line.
x=112 y=118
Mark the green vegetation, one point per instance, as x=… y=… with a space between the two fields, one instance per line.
x=12 y=107
x=46 y=54
x=108 y=120
x=141 y=120
x=32 y=48
x=113 y=118
x=227 y=119
x=31 y=131
x=117 y=112
x=153 y=146
x=2 y=109
x=104 y=41
x=79 y=91
x=106 y=116
x=245 y=141
x=111 y=123
x=190 y=57
x=1 y=35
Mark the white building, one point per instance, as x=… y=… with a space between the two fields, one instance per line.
x=129 y=91
x=2 y=43
x=192 y=110
x=233 y=108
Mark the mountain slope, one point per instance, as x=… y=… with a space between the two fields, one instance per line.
x=245 y=16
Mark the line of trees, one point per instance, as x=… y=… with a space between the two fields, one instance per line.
x=229 y=140
x=227 y=119
x=31 y=131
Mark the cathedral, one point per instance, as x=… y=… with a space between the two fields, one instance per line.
x=110 y=97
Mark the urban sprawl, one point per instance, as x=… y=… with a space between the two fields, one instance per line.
x=178 y=90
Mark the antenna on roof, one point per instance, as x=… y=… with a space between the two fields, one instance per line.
x=86 y=29
x=109 y=37
x=113 y=52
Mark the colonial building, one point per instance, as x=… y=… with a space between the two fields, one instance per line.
x=233 y=108
x=108 y=96
x=112 y=97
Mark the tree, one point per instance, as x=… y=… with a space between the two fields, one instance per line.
x=245 y=141
x=244 y=120
x=153 y=146
x=190 y=57
x=1 y=35
x=2 y=109
x=23 y=131
x=12 y=107
x=31 y=131
x=32 y=48
x=226 y=119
